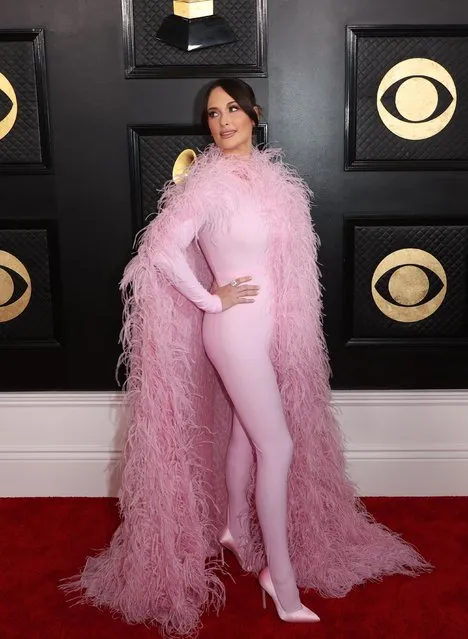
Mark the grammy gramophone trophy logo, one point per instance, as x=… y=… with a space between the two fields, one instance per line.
x=193 y=25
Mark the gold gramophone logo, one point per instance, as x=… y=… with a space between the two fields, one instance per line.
x=416 y=98
x=182 y=165
x=15 y=287
x=8 y=121
x=409 y=285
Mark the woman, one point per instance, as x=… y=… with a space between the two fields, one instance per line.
x=239 y=224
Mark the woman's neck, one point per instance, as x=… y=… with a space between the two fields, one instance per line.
x=243 y=153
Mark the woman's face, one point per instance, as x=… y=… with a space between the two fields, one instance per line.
x=230 y=126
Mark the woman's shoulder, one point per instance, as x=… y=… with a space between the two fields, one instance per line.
x=205 y=161
x=275 y=159
x=277 y=165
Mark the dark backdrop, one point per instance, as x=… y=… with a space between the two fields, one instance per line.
x=88 y=192
x=306 y=117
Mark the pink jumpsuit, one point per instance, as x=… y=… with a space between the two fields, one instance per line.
x=237 y=343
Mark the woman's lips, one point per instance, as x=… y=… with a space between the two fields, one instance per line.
x=228 y=134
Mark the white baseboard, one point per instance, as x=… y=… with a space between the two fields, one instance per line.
x=398 y=442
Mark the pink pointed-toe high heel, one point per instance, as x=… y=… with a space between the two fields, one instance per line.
x=227 y=541
x=303 y=615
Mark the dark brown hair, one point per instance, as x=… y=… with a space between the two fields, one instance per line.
x=239 y=91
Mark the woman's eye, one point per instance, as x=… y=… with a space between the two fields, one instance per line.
x=233 y=108
x=212 y=114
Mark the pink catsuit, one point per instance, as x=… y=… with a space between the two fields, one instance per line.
x=237 y=343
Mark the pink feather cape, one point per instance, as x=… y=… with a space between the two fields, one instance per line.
x=160 y=567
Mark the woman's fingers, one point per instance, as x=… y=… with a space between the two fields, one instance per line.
x=240 y=293
x=245 y=292
x=252 y=291
x=245 y=288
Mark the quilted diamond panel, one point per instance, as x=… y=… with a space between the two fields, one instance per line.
x=157 y=155
x=23 y=142
x=432 y=301
x=375 y=57
x=243 y=16
x=26 y=312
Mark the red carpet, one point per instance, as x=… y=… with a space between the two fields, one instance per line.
x=43 y=540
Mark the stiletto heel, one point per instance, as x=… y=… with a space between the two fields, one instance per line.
x=263 y=599
x=303 y=615
x=227 y=541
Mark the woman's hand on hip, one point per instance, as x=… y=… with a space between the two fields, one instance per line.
x=236 y=292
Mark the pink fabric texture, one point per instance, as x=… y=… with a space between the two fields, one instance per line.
x=160 y=567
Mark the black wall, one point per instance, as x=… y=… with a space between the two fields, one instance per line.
x=88 y=193
x=306 y=117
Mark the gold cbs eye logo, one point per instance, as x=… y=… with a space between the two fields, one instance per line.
x=15 y=287
x=8 y=122
x=409 y=285
x=416 y=99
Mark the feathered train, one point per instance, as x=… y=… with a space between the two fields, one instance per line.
x=160 y=566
